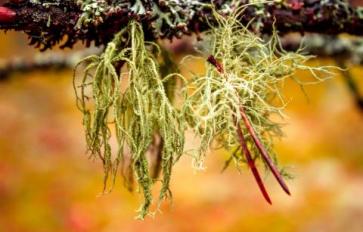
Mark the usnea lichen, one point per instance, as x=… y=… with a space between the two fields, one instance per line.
x=138 y=110
x=248 y=74
x=126 y=92
x=232 y=104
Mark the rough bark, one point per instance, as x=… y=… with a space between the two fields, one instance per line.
x=48 y=22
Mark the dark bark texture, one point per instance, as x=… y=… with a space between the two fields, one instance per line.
x=49 y=23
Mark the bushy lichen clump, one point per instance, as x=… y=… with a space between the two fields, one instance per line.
x=248 y=73
x=232 y=103
x=126 y=92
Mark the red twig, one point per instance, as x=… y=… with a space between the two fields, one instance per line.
x=251 y=162
x=263 y=151
x=212 y=60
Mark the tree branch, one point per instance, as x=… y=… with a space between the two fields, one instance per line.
x=44 y=61
x=343 y=48
x=48 y=22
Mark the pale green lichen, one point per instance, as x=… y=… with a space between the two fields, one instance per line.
x=138 y=110
x=253 y=71
x=136 y=102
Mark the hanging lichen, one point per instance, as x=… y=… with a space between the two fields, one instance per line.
x=129 y=91
x=231 y=105
x=138 y=110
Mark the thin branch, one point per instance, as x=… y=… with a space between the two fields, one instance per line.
x=352 y=85
x=43 y=61
x=344 y=48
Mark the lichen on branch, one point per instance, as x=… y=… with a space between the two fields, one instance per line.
x=48 y=22
x=135 y=102
x=232 y=103
x=125 y=92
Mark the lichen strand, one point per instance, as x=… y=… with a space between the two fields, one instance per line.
x=137 y=110
x=240 y=92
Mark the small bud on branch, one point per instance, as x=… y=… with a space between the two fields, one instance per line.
x=7 y=15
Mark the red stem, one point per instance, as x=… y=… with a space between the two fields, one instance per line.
x=263 y=151
x=212 y=60
x=251 y=162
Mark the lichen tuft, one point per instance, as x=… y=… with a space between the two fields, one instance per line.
x=134 y=102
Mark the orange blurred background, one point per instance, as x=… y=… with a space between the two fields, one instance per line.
x=47 y=182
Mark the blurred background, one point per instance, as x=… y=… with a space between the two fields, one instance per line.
x=47 y=182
